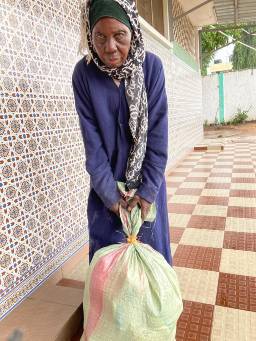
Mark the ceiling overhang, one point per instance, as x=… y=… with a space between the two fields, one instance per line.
x=219 y=11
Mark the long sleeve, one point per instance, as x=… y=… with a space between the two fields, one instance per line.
x=157 y=144
x=97 y=163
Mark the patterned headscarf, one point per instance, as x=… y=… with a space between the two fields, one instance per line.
x=132 y=72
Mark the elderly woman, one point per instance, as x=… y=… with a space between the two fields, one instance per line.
x=120 y=98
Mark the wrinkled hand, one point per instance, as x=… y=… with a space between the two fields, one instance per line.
x=115 y=207
x=143 y=204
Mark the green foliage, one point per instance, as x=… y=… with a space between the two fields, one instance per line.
x=240 y=117
x=244 y=57
x=211 y=41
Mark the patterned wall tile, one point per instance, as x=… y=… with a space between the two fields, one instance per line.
x=43 y=181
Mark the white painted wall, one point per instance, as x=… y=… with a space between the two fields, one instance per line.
x=239 y=92
x=184 y=91
x=210 y=98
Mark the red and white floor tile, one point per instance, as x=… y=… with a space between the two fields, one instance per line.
x=212 y=213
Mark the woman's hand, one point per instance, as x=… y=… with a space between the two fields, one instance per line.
x=144 y=205
x=115 y=207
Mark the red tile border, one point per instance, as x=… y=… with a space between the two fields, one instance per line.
x=191 y=159
x=215 y=185
x=242 y=163
x=230 y=159
x=242 y=212
x=195 y=322
x=237 y=292
x=176 y=234
x=240 y=241
x=211 y=200
x=202 y=170
x=197 y=257
x=207 y=222
x=242 y=193
x=243 y=180
x=205 y=163
x=242 y=170
x=220 y=175
x=71 y=283
x=181 y=208
x=195 y=179
x=188 y=191
x=223 y=166
x=173 y=184
x=178 y=174
x=185 y=166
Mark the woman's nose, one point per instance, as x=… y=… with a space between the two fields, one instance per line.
x=110 y=45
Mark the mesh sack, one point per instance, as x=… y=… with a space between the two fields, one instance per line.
x=131 y=292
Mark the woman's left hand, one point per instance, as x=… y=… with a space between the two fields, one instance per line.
x=144 y=205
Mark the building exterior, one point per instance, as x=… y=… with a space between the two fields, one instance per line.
x=44 y=185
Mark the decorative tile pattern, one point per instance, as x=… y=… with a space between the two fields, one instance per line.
x=239 y=241
x=197 y=257
x=180 y=208
x=235 y=291
x=195 y=322
x=179 y=220
x=240 y=224
x=207 y=222
x=213 y=200
x=176 y=234
x=210 y=210
x=184 y=199
x=242 y=202
x=43 y=180
x=233 y=324
x=198 y=285
x=188 y=191
x=238 y=262
x=217 y=185
x=241 y=212
x=202 y=237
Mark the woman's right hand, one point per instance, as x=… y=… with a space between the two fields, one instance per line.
x=115 y=207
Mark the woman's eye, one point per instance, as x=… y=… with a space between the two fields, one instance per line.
x=120 y=36
x=100 y=38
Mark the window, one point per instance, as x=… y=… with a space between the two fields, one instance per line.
x=152 y=12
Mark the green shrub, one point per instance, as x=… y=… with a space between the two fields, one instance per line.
x=240 y=116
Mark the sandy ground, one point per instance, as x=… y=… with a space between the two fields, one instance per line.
x=245 y=129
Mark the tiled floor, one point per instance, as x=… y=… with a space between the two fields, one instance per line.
x=212 y=212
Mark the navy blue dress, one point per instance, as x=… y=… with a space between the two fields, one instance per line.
x=103 y=117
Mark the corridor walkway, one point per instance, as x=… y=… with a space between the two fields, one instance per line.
x=212 y=212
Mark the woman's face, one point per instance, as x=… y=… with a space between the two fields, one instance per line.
x=111 y=40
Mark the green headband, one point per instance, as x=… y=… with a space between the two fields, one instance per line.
x=107 y=8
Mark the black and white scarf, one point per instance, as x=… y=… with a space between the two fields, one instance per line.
x=132 y=72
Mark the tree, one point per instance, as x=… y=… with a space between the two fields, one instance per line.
x=210 y=42
x=214 y=40
x=243 y=56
